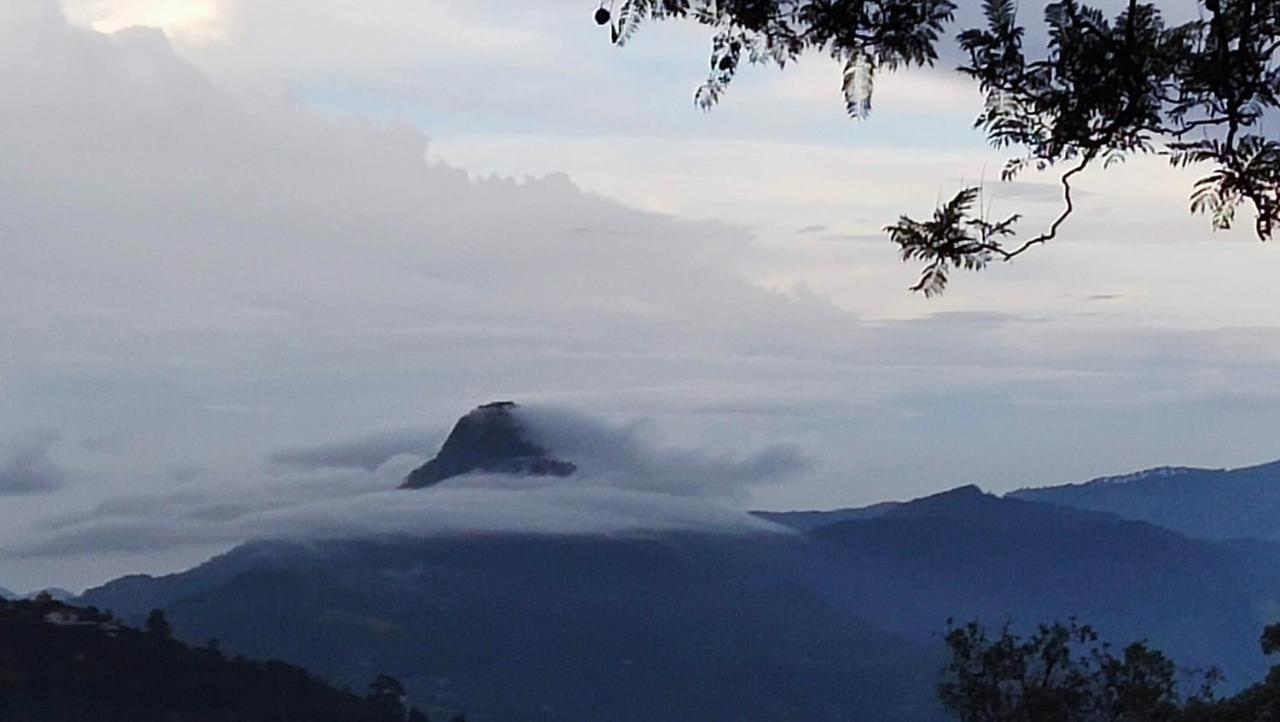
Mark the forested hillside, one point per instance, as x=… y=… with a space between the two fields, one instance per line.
x=60 y=663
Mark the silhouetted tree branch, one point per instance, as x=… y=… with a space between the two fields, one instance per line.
x=1100 y=90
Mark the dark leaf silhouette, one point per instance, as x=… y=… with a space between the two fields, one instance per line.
x=1101 y=89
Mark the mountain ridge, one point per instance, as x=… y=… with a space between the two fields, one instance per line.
x=1239 y=503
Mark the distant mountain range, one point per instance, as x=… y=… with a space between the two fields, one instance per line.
x=54 y=592
x=1208 y=503
x=1223 y=504
x=839 y=621
x=968 y=555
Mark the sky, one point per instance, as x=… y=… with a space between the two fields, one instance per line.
x=256 y=257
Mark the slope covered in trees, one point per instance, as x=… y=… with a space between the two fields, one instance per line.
x=559 y=629
x=60 y=663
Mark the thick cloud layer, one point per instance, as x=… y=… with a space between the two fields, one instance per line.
x=484 y=505
x=26 y=466
x=208 y=273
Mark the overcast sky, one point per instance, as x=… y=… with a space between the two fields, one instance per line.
x=256 y=253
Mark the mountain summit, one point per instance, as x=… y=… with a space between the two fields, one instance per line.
x=490 y=439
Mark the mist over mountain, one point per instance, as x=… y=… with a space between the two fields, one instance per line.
x=629 y=480
x=660 y=603
x=689 y=610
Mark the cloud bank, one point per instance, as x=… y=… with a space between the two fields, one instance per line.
x=27 y=467
x=487 y=505
x=629 y=482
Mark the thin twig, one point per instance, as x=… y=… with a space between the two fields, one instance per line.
x=1053 y=229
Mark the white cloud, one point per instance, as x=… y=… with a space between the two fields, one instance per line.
x=27 y=467
x=188 y=20
x=217 y=273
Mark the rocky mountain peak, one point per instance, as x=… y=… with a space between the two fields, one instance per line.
x=491 y=439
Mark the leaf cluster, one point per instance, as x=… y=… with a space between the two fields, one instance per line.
x=952 y=238
x=1099 y=90
x=1058 y=673
x=863 y=35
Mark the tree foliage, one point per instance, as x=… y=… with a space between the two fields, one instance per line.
x=1100 y=90
x=1063 y=673
x=1059 y=673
